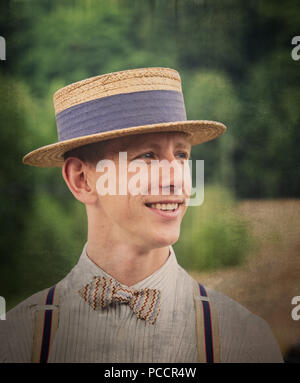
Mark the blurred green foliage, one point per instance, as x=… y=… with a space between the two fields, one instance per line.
x=235 y=61
x=213 y=235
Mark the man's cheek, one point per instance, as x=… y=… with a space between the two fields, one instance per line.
x=184 y=209
x=187 y=181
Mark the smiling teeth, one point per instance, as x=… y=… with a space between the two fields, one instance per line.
x=164 y=206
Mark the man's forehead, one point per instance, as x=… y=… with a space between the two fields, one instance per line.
x=149 y=139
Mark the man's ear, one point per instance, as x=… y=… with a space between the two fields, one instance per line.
x=76 y=174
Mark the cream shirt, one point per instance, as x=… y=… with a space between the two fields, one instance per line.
x=117 y=335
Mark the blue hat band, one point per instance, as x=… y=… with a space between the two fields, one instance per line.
x=120 y=111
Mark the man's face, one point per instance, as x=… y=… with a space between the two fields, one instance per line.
x=146 y=220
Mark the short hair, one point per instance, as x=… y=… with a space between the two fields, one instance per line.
x=95 y=152
x=90 y=153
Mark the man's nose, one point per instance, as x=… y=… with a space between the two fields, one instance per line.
x=172 y=175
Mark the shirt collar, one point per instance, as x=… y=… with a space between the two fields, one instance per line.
x=163 y=279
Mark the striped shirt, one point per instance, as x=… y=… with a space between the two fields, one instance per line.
x=117 y=335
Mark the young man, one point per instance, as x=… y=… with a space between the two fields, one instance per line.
x=127 y=299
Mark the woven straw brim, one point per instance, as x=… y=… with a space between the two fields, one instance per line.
x=198 y=132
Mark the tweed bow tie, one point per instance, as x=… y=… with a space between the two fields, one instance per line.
x=103 y=291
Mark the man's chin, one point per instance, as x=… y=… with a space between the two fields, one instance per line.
x=166 y=240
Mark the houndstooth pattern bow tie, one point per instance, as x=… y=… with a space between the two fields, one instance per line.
x=103 y=291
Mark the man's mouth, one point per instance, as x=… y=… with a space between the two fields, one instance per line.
x=167 y=209
x=164 y=206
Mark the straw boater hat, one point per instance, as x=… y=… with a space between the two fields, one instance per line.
x=120 y=104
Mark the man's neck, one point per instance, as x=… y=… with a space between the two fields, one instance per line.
x=126 y=263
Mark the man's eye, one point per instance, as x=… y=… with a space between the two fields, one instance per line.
x=183 y=155
x=147 y=155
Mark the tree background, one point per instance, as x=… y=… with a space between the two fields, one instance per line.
x=235 y=62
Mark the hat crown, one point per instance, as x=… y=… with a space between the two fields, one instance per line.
x=127 y=81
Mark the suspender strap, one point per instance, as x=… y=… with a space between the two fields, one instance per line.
x=206 y=327
x=46 y=323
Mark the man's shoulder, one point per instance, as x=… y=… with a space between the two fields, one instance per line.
x=31 y=303
x=16 y=331
x=244 y=335
x=26 y=305
x=232 y=313
x=228 y=306
x=225 y=307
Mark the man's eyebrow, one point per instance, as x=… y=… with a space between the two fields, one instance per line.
x=155 y=145
x=183 y=145
x=143 y=145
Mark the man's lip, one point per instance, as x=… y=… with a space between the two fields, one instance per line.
x=164 y=202
x=166 y=214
